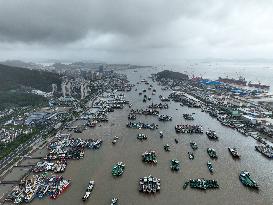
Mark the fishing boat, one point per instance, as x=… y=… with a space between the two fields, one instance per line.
x=164 y=99
x=188 y=116
x=114 y=201
x=186 y=185
x=258 y=85
x=186 y=128
x=203 y=184
x=167 y=147
x=31 y=189
x=194 y=145
x=234 y=152
x=212 y=153
x=161 y=134
x=149 y=157
x=265 y=150
x=62 y=186
x=212 y=135
x=115 y=140
x=191 y=156
x=131 y=116
x=176 y=140
x=175 y=165
x=142 y=137
x=164 y=118
x=118 y=169
x=210 y=167
x=149 y=185
x=42 y=191
x=241 y=81
x=247 y=181
x=88 y=190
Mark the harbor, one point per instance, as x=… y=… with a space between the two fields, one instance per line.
x=98 y=164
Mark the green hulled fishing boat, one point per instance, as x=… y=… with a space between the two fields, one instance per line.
x=175 y=165
x=194 y=145
x=167 y=147
x=212 y=153
x=118 y=169
x=203 y=184
x=247 y=181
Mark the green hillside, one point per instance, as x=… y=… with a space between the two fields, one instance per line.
x=14 y=82
x=15 y=78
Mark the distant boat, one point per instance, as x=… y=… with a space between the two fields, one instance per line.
x=241 y=81
x=258 y=85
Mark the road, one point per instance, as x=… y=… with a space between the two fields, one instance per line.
x=18 y=152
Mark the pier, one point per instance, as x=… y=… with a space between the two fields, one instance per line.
x=10 y=182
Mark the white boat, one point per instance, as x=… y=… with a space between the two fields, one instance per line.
x=88 y=190
x=114 y=201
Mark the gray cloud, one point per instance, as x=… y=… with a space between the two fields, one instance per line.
x=125 y=30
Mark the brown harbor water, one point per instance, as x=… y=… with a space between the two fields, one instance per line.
x=97 y=164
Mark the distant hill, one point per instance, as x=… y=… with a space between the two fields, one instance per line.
x=15 y=81
x=20 y=64
x=172 y=75
x=16 y=78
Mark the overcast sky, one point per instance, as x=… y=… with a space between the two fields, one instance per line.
x=136 y=31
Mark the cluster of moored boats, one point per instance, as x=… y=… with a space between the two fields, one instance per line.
x=101 y=117
x=175 y=165
x=70 y=148
x=188 y=116
x=265 y=150
x=131 y=116
x=212 y=135
x=38 y=186
x=149 y=157
x=164 y=118
x=189 y=129
x=164 y=99
x=160 y=106
x=118 y=169
x=88 y=190
x=144 y=112
x=212 y=153
x=149 y=185
x=177 y=97
x=142 y=137
x=58 y=166
x=203 y=184
x=141 y=125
